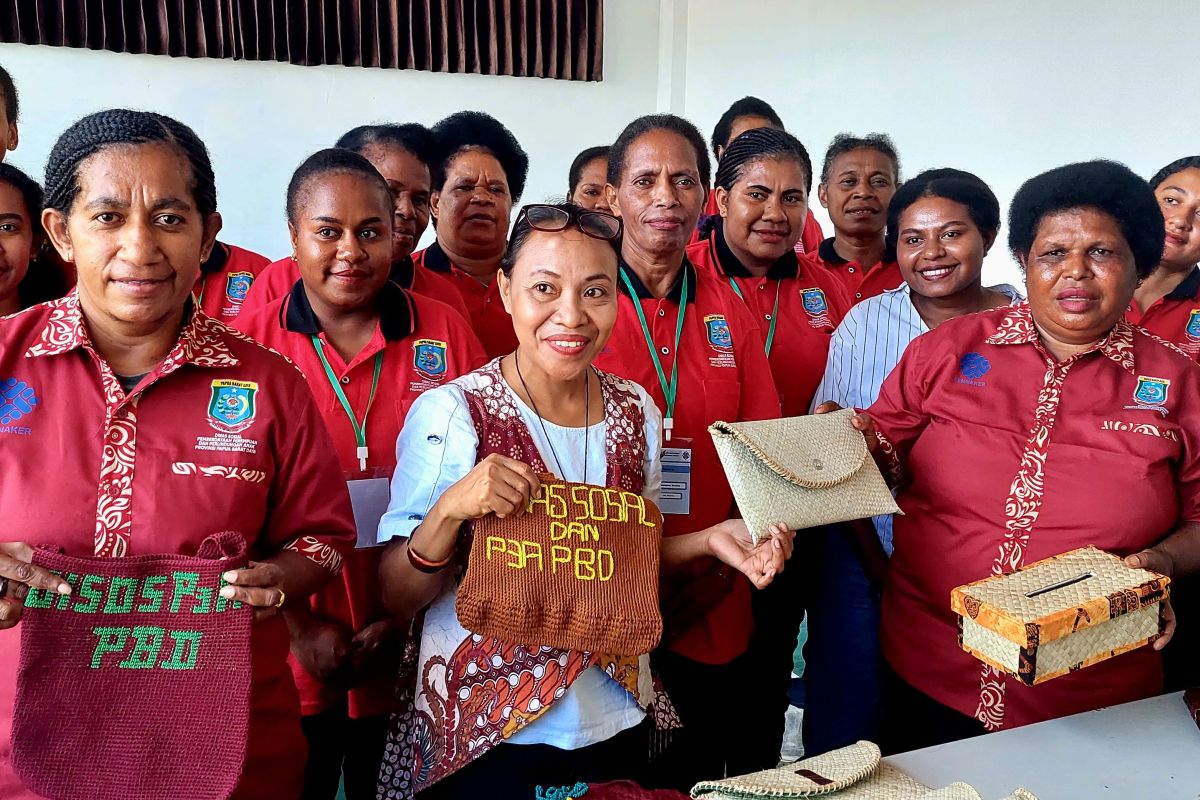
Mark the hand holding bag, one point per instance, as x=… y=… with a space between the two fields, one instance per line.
x=801 y=471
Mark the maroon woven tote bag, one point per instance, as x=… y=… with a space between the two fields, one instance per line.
x=136 y=686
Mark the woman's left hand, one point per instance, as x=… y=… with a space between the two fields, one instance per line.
x=730 y=543
x=1156 y=560
x=260 y=585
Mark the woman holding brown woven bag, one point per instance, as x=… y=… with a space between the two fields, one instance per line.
x=456 y=463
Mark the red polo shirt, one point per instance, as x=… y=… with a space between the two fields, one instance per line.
x=858 y=283
x=723 y=375
x=410 y=326
x=278 y=278
x=810 y=238
x=485 y=309
x=804 y=303
x=159 y=470
x=225 y=280
x=1175 y=316
x=1011 y=458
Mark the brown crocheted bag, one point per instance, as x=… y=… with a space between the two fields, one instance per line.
x=577 y=571
x=136 y=686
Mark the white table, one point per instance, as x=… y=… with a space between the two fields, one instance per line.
x=1147 y=749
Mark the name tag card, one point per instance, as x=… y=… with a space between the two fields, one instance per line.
x=137 y=684
x=577 y=571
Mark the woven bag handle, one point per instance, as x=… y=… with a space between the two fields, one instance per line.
x=725 y=429
x=226 y=544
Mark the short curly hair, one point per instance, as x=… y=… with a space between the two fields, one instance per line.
x=847 y=143
x=466 y=130
x=1178 y=165
x=964 y=188
x=12 y=102
x=1106 y=186
x=331 y=161
x=649 y=124
x=748 y=106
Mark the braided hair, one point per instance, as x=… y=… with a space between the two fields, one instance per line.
x=755 y=145
x=333 y=161
x=121 y=126
x=412 y=137
x=748 y=106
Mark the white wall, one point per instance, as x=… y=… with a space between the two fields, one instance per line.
x=1003 y=89
x=260 y=120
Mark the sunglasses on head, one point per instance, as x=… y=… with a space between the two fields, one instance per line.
x=551 y=219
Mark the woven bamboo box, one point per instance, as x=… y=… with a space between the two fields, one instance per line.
x=1059 y=615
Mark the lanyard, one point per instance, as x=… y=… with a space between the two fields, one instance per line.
x=669 y=389
x=360 y=428
x=774 y=312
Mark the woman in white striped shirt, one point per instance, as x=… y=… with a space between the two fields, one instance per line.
x=941 y=223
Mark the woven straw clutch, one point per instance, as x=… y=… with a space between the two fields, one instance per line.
x=1060 y=614
x=801 y=471
x=851 y=773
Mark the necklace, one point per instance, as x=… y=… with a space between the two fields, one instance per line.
x=587 y=407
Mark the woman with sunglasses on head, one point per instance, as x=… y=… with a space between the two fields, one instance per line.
x=475 y=447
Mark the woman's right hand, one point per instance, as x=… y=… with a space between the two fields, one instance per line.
x=17 y=575
x=496 y=485
x=324 y=649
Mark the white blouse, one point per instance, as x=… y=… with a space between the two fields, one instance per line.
x=437 y=447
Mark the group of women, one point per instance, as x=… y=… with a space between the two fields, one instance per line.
x=596 y=343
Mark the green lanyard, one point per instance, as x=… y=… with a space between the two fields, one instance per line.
x=360 y=428
x=669 y=389
x=774 y=312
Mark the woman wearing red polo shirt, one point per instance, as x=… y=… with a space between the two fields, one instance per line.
x=744 y=115
x=403 y=155
x=1167 y=303
x=695 y=346
x=26 y=275
x=858 y=179
x=762 y=187
x=1024 y=432
x=225 y=280
x=368 y=349
x=113 y=383
x=478 y=173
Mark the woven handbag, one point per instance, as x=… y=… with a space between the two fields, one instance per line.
x=577 y=571
x=136 y=686
x=801 y=471
x=850 y=773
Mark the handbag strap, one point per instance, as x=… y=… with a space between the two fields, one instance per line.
x=725 y=429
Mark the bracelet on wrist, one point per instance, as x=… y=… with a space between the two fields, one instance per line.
x=422 y=564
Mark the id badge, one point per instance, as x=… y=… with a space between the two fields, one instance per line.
x=676 y=494
x=369 y=497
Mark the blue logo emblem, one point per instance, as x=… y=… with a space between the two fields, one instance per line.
x=237 y=286
x=1151 y=391
x=814 y=301
x=718 y=332
x=974 y=366
x=17 y=399
x=232 y=406
x=1193 y=326
x=429 y=358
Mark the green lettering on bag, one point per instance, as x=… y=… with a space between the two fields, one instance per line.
x=187 y=649
x=110 y=640
x=147 y=641
x=88 y=592
x=121 y=594
x=152 y=594
x=185 y=584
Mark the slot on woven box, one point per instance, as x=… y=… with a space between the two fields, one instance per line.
x=1060 y=614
